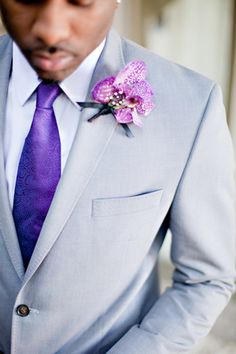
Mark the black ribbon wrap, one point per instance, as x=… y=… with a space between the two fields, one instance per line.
x=104 y=109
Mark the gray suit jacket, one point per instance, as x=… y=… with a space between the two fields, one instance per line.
x=91 y=285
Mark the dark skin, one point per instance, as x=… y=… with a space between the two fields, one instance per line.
x=55 y=36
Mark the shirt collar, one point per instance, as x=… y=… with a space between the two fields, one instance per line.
x=75 y=86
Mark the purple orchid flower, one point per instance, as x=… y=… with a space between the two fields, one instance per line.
x=128 y=94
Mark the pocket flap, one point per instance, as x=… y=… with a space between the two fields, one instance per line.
x=126 y=205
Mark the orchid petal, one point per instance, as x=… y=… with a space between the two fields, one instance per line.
x=136 y=119
x=145 y=108
x=103 y=90
x=133 y=72
x=142 y=89
x=124 y=115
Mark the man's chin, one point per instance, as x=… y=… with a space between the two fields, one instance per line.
x=53 y=76
x=55 y=67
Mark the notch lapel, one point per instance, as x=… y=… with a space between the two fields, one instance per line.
x=7 y=226
x=92 y=138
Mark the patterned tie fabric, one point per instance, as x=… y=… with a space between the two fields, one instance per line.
x=39 y=171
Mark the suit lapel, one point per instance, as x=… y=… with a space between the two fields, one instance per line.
x=89 y=145
x=7 y=226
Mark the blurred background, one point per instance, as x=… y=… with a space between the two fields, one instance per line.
x=199 y=34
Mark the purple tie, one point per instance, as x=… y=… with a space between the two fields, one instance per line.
x=39 y=171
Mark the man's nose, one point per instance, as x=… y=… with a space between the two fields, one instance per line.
x=51 y=25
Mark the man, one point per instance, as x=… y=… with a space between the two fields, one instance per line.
x=85 y=208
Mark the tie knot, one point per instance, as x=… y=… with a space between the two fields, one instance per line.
x=46 y=94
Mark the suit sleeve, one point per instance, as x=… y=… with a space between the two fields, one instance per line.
x=202 y=222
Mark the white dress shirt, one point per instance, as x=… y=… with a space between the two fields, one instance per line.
x=21 y=104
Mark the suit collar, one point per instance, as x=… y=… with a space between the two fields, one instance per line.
x=7 y=227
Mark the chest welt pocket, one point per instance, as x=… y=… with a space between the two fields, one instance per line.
x=126 y=205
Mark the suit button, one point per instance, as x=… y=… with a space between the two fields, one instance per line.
x=22 y=310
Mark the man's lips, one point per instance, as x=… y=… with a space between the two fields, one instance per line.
x=51 y=63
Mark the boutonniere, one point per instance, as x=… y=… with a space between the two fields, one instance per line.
x=127 y=96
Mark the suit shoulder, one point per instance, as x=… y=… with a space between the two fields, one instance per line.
x=168 y=75
x=181 y=95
